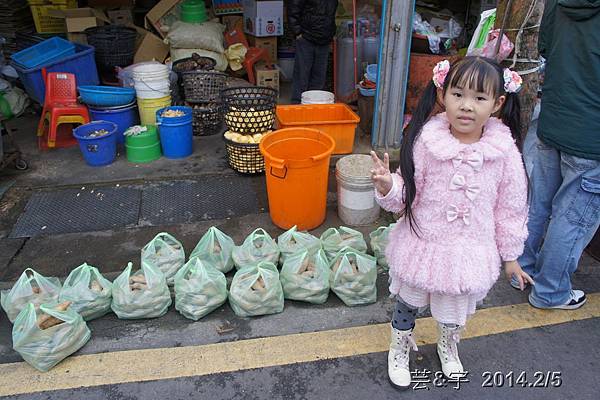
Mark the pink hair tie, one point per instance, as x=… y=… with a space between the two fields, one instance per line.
x=439 y=73
x=512 y=81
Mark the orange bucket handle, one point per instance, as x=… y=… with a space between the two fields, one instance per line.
x=278 y=164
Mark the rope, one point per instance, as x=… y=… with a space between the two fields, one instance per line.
x=520 y=32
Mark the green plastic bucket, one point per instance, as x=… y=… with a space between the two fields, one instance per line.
x=193 y=11
x=143 y=148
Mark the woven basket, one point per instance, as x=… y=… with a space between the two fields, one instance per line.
x=207 y=118
x=249 y=110
x=203 y=86
x=244 y=157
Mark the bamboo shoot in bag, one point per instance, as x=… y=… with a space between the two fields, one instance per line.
x=354 y=277
x=258 y=247
x=334 y=240
x=144 y=294
x=88 y=291
x=215 y=248
x=256 y=290
x=46 y=336
x=200 y=288
x=379 y=241
x=305 y=277
x=31 y=287
x=292 y=242
x=165 y=253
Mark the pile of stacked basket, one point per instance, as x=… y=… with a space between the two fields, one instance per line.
x=248 y=111
x=114 y=45
x=202 y=88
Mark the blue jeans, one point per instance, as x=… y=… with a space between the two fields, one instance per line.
x=310 y=68
x=564 y=215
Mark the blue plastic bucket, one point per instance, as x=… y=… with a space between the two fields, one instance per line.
x=101 y=150
x=124 y=117
x=176 y=135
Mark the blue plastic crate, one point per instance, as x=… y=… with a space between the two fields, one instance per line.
x=45 y=52
x=82 y=64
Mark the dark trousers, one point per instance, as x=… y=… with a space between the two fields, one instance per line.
x=310 y=68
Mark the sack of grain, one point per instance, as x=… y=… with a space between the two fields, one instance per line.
x=258 y=247
x=31 y=287
x=165 y=253
x=215 y=248
x=333 y=240
x=354 y=277
x=88 y=291
x=200 y=288
x=291 y=242
x=305 y=277
x=256 y=290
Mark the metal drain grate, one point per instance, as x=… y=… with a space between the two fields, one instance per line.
x=78 y=210
x=214 y=197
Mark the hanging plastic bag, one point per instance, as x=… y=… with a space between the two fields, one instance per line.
x=88 y=291
x=256 y=290
x=215 y=248
x=305 y=277
x=292 y=242
x=258 y=246
x=165 y=253
x=379 y=241
x=46 y=336
x=31 y=287
x=200 y=288
x=334 y=240
x=354 y=277
x=488 y=49
x=144 y=294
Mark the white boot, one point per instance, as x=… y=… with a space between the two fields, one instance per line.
x=448 y=351
x=398 y=369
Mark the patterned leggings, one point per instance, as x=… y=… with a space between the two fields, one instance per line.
x=403 y=318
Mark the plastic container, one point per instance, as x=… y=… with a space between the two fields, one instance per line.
x=124 y=117
x=176 y=133
x=106 y=96
x=371 y=72
x=148 y=108
x=355 y=198
x=151 y=81
x=97 y=151
x=336 y=120
x=143 y=148
x=193 y=11
x=45 y=52
x=46 y=23
x=297 y=170
x=115 y=45
x=223 y=7
x=82 y=64
x=318 y=97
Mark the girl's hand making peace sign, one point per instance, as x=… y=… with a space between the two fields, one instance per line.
x=380 y=174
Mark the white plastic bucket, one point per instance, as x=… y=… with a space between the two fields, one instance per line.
x=355 y=191
x=318 y=97
x=151 y=81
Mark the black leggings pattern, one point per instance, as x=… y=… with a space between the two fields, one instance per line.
x=404 y=316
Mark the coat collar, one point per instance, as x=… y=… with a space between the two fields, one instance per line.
x=495 y=142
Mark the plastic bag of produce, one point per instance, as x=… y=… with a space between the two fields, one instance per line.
x=165 y=253
x=144 y=294
x=379 y=241
x=292 y=242
x=305 y=277
x=333 y=240
x=256 y=290
x=353 y=277
x=257 y=247
x=215 y=248
x=88 y=291
x=31 y=287
x=200 y=288
x=46 y=336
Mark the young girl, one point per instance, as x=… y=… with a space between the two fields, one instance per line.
x=462 y=190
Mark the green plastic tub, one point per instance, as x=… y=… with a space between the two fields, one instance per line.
x=143 y=148
x=193 y=11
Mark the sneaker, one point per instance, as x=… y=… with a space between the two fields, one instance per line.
x=514 y=282
x=576 y=300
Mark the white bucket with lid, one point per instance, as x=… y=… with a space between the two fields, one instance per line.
x=355 y=190
x=318 y=97
x=151 y=81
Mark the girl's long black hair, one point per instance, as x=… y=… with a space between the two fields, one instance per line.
x=478 y=73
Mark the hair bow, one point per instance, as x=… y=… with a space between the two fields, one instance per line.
x=512 y=81
x=440 y=71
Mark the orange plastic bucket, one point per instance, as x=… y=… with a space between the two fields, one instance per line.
x=297 y=170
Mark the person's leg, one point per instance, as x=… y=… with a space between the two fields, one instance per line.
x=403 y=322
x=575 y=219
x=545 y=178
x=318 y=74
x=303 y=65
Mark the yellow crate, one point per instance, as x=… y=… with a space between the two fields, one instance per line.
x=70 y=3
x=44 y=23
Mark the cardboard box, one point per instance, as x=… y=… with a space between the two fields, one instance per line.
x=150 y=48
x=162 y=16
x=77 y=20
x=263 y=18
x=232 y=22
x=266 y=75
x=268 y=43
x=120 y=17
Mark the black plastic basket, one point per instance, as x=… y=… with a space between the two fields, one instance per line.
x=249 y=109
x=207 y=118
x=114 y=45
x=203 y=86
x=194 y=63
x=244 y=157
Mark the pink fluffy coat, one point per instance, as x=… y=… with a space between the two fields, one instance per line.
x=471 y=209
